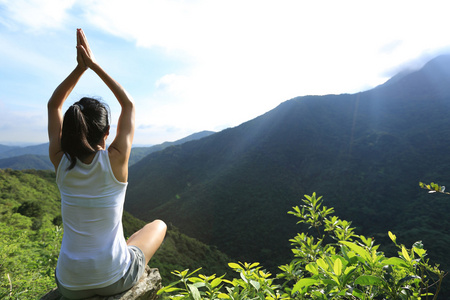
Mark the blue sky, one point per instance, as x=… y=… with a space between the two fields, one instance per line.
x=207 y=64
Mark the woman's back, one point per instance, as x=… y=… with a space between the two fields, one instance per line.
x=93 y=251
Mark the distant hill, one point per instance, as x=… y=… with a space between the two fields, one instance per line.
x=26 y=162
x=36 y=157
x=137 y=153
x=5 y=148
x=364 y=152
x=11 y=151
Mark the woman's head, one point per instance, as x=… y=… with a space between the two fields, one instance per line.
x=85 y=125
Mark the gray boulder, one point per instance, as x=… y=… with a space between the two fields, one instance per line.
x=146 y=289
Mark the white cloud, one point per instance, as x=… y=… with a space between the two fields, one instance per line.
x=248 y=56
x=36 y=14
x=245 y=57
x=276 y=43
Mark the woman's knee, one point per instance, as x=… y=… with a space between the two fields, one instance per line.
x=156 y=227
x=153 y=232
x=158 y=224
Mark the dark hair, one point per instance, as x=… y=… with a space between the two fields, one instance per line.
x=84 y=126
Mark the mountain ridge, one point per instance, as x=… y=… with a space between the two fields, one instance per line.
x=36 y=156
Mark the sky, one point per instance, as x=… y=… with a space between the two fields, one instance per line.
x=197 y=65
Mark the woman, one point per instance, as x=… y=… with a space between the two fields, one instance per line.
x=95 y=259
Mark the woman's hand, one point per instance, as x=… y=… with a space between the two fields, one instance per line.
x=80 y=59
x=84 y=53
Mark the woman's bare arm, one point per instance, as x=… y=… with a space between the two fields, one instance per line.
x=54 y=108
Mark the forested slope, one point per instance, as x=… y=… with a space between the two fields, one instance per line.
x=365 y=153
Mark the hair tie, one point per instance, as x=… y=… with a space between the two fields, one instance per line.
x=80 y=106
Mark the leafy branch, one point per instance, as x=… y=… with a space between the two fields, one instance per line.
x=433 y=188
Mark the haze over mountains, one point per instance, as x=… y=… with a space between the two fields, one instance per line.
x=365 y=153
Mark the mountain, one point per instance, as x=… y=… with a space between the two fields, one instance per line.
x=26 y=162
x=11 y=151
x=36 y=157
x=23 y=158
x=5 y=148
x=364 y=152
x=137 y=153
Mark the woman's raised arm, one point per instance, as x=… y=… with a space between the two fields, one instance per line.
x=54 y=108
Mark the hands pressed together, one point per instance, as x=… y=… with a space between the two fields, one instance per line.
x=85 y=57
x=125 y=130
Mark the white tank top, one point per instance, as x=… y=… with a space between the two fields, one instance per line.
x=93 y=252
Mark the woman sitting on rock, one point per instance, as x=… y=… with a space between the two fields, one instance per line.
x=95 y=259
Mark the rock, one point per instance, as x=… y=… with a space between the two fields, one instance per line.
x=146 y=289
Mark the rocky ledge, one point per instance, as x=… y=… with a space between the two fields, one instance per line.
x=145 y=289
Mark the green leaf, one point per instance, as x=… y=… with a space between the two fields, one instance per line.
x=168 y=289
x=405 y=254
x=420 y=252
x=190 y=274
x=357 y=293
x=368 y=280
x=194 y=279
x=335 y=280
x=304 y=282
x=392 y=236
x=255 y=284
x=216 y=282
x=234 y=266
x=194 y=292
x=321 y=263
x=337 y=267
x=348 y=273
x=358 y=249
x=312 y=268
x=330 y=282
x=394 y=261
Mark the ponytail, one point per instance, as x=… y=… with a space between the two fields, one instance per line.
x=84 y=126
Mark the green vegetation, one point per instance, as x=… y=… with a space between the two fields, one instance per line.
x=331 y=258
x=31 y=236
x=30 y=242
x=330 y=262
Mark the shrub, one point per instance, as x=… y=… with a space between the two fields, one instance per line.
x=30 y=209
x=330 y=262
